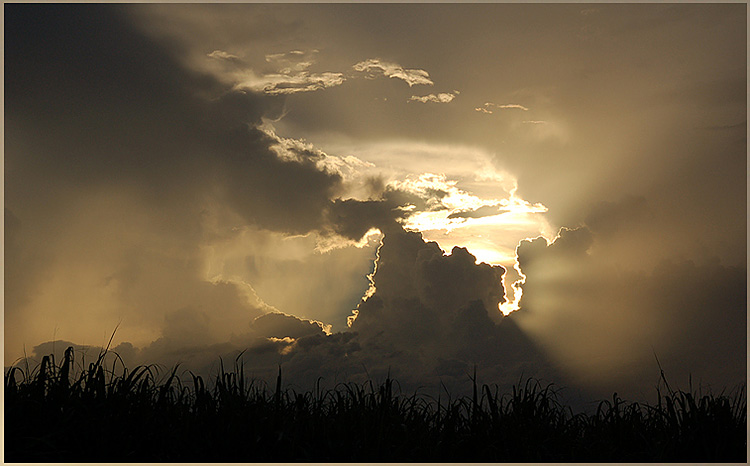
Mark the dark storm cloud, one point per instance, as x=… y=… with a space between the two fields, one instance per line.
x=123 y=162
x=115 y=107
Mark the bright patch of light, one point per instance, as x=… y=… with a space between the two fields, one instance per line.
x=445 y=200
x=486 y=227
x=516 y=289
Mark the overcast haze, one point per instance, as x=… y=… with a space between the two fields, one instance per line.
x=543 y=190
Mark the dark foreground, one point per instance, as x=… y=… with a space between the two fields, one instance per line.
x=137 y=416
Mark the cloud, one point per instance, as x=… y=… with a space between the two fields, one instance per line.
x=393 y=70
x=441 y=98
x=602 y=315
x=444 y=205
x=289 y=83
x=489 y=106
x=169 y=161
x=283 y=73
x=141 y=190
x=479 y=212
x=290 y=74
x=429 y=311
x=280 y=325
x=429 y=318
x=415 y=287
x=186 y=176
x=608 y=218
x=221 y=55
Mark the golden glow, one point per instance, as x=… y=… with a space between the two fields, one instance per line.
x=513 y=303
x=445 y=200
x=453 y=218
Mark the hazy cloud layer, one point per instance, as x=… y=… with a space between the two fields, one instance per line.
x=604 y=320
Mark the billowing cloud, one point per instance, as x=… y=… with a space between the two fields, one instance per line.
x=441 y=98
x=429 y=311
x=412 y=77
x=412 y=273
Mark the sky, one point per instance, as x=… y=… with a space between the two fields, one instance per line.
x=352 y=190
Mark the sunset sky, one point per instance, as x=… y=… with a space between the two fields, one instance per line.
x=543 y=190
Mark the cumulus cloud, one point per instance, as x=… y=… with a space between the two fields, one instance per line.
x=416 y=287
x=412 y=77
x=441 y=98
x=437 y=314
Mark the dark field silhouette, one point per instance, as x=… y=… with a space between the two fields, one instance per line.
x=68 y=412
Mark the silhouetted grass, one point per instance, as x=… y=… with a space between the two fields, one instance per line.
x=100 y=414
